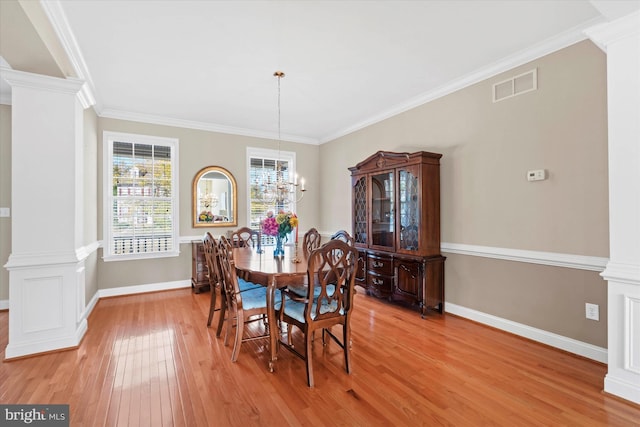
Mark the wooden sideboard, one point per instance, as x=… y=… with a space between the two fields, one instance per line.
x=199 y=270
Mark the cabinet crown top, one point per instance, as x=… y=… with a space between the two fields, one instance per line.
x=390 y=159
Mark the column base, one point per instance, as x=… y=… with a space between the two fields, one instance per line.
x=46 y=308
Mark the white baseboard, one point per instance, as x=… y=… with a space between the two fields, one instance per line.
x=34 y=347
x=554 y=340
x=140 y=289
x=4 y=304
x=131 y=290
x=621 y=388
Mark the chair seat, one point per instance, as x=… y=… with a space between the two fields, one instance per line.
x=254 y=298
x=245 y=285
x=295 y=309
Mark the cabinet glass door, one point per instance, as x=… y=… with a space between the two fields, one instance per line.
x=360 y=210
x=382 y=210
x=409 y=210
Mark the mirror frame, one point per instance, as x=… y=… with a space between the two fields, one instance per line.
x=194 y=198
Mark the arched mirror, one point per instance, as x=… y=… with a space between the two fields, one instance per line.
x=215 y=201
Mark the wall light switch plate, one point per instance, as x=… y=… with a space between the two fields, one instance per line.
x=537 y=175
x=5 y=212
x=592 y=311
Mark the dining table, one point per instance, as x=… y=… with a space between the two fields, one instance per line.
x=261 y=267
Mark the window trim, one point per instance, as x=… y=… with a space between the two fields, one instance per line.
x=266 y=153
x=108 y=138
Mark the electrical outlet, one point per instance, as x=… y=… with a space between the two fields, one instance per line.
x=5 y=212
x=592 y=311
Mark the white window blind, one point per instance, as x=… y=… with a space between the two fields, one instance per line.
x=140 y=209
x=262 y=165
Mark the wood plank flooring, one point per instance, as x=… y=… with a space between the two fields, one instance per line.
x=150 y=360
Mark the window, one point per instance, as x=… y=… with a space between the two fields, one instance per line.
x=262 y=166
x=140 y=196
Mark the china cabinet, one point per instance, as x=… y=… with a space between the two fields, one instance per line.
x=396 y=226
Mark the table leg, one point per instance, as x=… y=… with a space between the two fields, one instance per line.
x=273 y=324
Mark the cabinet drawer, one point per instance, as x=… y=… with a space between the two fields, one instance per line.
x=378 y=284
x=380 y=264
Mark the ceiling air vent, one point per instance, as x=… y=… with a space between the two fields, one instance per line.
x=523 y=83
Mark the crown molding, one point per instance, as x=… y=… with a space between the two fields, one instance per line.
x=54 y=12
x=561 y=41
x=610 y=32
x=190 y=124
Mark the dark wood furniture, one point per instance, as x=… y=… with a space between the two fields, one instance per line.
x=396 y=227
x=199 y=271
x=274 y=273
x=245 y=305
x=215 y=281
x=344 y=236
x=311 y=241
x=245 y=236
x=327 y=302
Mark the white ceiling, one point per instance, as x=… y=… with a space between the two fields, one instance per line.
x=210 y=64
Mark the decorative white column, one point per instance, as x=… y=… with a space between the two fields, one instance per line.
x=621 y=40
x=46 y=268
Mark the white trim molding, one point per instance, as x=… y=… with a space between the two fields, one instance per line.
x=622 y=273
x=211 y=127
x=554 y=340
x=4 y=304
x=580 y=262
x=141 y=289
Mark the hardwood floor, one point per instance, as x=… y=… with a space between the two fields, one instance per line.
x=149 y=360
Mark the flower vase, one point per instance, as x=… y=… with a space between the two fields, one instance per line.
x=279 y=250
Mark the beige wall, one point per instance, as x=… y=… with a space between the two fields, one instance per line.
x=5 y=197
x=90 y=194
x=198 y=149
x=486 y=200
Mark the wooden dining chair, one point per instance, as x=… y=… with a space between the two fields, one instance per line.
x=331 y=269
x=344 y=236
x=245 y=236
x=310 y=241
x=212 y=249
x=244 y=306
x=215 y=281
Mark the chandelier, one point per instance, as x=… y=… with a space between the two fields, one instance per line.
x=281 y=190
x=209 y=200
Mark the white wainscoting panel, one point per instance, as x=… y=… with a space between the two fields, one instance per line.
x=632 y=331
x=45 y=297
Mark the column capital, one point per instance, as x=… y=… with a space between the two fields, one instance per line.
x=71 y=85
